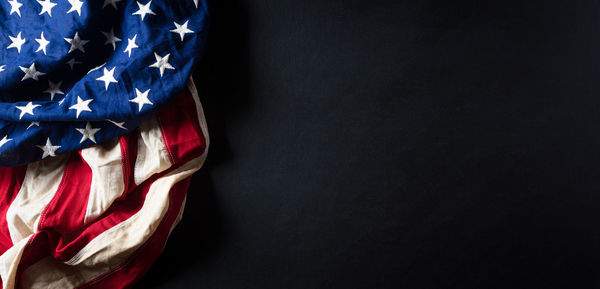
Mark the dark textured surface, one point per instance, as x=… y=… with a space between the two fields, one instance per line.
x=390 y=144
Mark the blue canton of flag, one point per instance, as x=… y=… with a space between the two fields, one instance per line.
x=78 y=72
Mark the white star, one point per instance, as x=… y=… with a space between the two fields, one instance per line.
x=196 y=3
x=162 y=63
x=110 y=38
x=43 y=43
x=141 y=99
x=113 y=3
x=181 y=29
x=4 y=140
x=16 y=42
x=131 y=45
x=76 y=43
x=143 y=10
x=30 y=72
x=14 y=7
x=72 y=63
x=36 y=123
x=27 y=109
x=48 y=148
x=75 y=6
x=46 y=6
x=118 y=124
x=88 y=133
x=108 y=77
x=53 y=89
x=2 y=67
x=81 y=105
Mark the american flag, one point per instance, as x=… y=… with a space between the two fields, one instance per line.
x=101 y=128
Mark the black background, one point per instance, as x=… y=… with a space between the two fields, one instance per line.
x=395 y=144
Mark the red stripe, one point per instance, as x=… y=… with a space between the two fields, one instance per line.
x=130 y=272
x=181 y=130
x=66 y=211
x=11 y=180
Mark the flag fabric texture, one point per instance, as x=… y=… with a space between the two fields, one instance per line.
x=78 y=72
x=101 y=129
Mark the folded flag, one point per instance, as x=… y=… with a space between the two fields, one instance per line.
x=100 y=130
x=100 y=216
x=78 y=72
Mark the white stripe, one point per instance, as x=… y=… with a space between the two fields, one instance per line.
x=200 y=112
x=39 y=186
x=50 y=273
x=9 y=263
x=105 y=160
x=152 y=156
